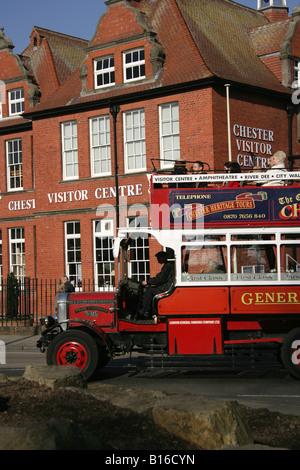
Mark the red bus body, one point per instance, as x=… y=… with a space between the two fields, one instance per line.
x=241 y=306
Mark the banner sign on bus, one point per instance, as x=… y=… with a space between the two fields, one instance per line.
x=224 y=177
x=253 y=206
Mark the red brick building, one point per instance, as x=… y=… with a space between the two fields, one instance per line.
x=202 y=80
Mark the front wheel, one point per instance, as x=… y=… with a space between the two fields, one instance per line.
x=290 y=353
x=75 y=348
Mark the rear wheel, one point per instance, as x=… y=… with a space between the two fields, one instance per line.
x=74 y=348
x=290 y=353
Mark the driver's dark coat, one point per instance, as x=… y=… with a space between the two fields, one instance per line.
x=164 y=279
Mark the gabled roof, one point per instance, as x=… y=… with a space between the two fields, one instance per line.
x=201 y=39
x=267 y=39
x=67 y=52
x=220 y=31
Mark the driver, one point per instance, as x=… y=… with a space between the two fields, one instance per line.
x=160 y=283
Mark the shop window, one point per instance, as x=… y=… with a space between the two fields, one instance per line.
x=70 y=150
x=169 y=134
x=14 y=165
x=100 y=146
x=134 y=64
x=16 y=101
x=104 y=70
x=135 y=140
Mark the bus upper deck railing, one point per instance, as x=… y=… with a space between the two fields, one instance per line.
x=288 y=177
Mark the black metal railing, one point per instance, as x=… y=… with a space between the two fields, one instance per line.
x=24 y=302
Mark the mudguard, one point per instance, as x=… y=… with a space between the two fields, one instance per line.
x=89 y=327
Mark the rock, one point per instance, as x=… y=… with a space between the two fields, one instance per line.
x=210 y=424
x=55 y=376
x=51 y=435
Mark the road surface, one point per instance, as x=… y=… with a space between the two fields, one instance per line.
x=274 y=390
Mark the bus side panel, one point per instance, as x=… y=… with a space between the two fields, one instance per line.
x=265 y=299
x=98 y=308
x=195 y=301
x=195 y=336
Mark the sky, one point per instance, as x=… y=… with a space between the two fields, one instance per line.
x=74 y=17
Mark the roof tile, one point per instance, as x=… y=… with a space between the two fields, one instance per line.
x=200 y=39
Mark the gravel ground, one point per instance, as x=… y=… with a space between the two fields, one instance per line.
x=23 y=402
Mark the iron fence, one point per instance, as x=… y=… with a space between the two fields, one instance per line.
x=25 y=302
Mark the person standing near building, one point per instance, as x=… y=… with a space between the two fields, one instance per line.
x=68 y=286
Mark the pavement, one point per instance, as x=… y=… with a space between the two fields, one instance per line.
x=20 y=342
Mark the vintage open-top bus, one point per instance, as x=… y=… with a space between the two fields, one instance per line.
x=236 y=252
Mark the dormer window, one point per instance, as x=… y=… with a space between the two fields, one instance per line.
x=104 y=69
x=134 y=64
x=296 y=78
x=16 y=101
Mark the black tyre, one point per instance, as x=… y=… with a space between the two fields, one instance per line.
x=290 y=353
x=76 y=348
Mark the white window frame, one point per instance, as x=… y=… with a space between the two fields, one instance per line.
x=169 y=134
x=100 y=146
x=69 y=150
x=270 y=4
x=16 y=101
x=134 y=140
x=17 y=250
x=74 y=235
x=139 y=265
x=106 y=73
x=134 y=64
x=14 y=164
x=103 y=230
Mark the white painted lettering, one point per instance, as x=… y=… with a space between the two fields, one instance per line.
x=21 y=205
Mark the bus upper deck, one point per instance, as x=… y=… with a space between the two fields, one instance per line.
x=228 y=236
x=177 y=202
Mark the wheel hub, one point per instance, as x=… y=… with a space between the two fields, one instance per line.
x=72 y=353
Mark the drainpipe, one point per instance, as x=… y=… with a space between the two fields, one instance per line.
x=114 y=110
x=290 y=112
x=228 y=122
